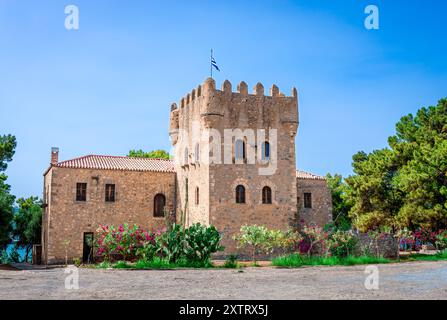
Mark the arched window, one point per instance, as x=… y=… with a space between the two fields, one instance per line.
x=197 y=153
x=240 y=194
x=239 y=150
x=186 y=156
x=265 y=149
x=159 y=205
x=197 y=195
x=266 y=195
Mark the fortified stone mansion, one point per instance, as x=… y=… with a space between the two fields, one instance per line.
x=234 y=164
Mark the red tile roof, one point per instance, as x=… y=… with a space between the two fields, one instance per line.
x=307 y=175
x=118 y=163
x=138 y=164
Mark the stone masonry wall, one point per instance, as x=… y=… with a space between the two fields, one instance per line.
x=321 y=211
x=68 y=219
x=209 y=108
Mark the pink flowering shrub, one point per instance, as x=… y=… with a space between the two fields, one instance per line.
x=123 y=241
x=313 y=236
x=174 y=243
x=423 y=236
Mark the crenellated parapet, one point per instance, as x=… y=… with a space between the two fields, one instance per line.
x=240 y=108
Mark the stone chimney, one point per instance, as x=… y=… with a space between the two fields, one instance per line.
x=54 y=155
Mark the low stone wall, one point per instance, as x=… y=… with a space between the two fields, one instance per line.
x=386 y=246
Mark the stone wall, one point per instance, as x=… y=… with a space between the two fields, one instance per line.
x=321 y=211
x=386 y=246
x=221 y=110
x=66 y=219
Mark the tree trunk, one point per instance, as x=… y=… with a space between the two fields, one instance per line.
x=254 y=255
x=28 y=248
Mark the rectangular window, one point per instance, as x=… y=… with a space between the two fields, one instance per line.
x=81 y=191
x=110 y=193
x=308 y=200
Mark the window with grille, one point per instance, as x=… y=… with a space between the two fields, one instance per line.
x=266 y=195
x=110 y=193
x=240 y=194
x=307 y=200
x=265 y=150
x=81 y=191
x=159 y=205
x=239 y=150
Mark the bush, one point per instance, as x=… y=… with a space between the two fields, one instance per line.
x=177 y=245
x=201 y=242
x=260 y=239
x=342 y=243
x=441 y=240
x=194 y=245
x=4 y=257
x=77 y=262
x=171 y=244
x=313 y=236
x=124 y=242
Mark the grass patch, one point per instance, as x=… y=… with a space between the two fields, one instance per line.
x=425 y=257
x=231 y=262
x=296 y=260
x=156 y=263
x=104 y=265
x=121 y=265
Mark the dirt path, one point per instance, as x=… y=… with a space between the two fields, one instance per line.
x=414 y=280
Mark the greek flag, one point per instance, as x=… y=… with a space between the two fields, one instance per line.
x=213 y=63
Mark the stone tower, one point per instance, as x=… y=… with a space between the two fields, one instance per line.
x=224 y=140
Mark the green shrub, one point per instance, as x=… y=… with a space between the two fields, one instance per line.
x=201 y=242
x=171 y=244
x=342 y=243
x=4 y=257
x=193 y=245
x=175 y=245
x=77 y=262
x=148 y=250
x=260 y=239
x=314 y=235
x=441 y=240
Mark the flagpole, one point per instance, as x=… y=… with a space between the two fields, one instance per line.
x=211 y=63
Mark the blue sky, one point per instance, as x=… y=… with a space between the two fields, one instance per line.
x=107 y=87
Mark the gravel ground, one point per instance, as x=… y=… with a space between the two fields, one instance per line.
x=412 y=280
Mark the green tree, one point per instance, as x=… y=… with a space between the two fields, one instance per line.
x=28 y=223
x=156 y=154
x=372 y=190
x=420 y=145
x=6 y=212
x=7 y=149
x=404 y=185
x=340 y=203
